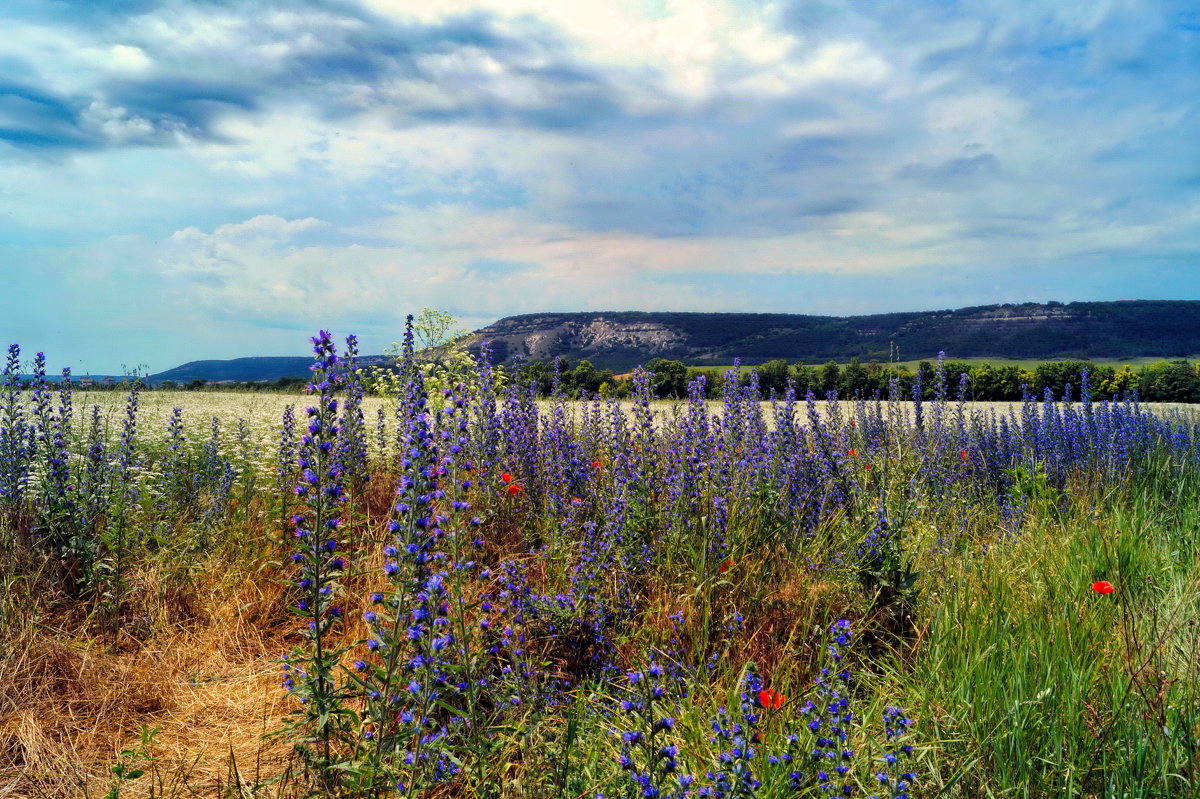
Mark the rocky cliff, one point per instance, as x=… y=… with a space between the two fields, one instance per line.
x=621 y=339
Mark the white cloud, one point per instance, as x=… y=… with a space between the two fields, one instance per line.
x=114 y=123
x=658 y=55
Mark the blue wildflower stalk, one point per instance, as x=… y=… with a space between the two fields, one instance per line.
x=210 y=466
x=381 y=436
x=352 y=445
x=94 y=489
x=214 y=477
x=249 y=454
x=55 y=517
x=565 y=473
x=736 y=735
x=462 y=547
x=640 y=466
x=322 y=718
x=405 y=401
x=648 y=752
x=115 y=537
x=285 y=466
x=507 y=610
x=14 y=435
x=219 y=500
x=176 y=477
x=82 y=548
x=486 y=428
x=896 y=751
x=404 y=677
x=828 y=719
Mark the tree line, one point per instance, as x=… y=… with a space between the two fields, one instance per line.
x=1162 y=381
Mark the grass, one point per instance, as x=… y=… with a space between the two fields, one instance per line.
x=1022 y=681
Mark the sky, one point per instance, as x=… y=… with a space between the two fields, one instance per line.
x=187 y=180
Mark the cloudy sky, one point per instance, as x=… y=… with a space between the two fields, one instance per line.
x=184 y=180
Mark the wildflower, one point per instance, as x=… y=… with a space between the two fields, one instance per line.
x=597 y=465
x=1102 y=587
x=771 y=699
x=867 y=467
x=513 y=489
x=962 y=453
x=506 y=477
x=725 y=566
x=852 y=452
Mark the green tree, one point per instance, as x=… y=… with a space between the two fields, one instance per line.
x=808 y=378
x=1057 y=375
x=995 y=383
x=831 y=375
x=1118 y=384
x=773 y=376
x=854 y=380
x=1169 y=381
x=435 y=332
x=670 y=377
x=586 y=377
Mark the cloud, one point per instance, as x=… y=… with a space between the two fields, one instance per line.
x=505 y=155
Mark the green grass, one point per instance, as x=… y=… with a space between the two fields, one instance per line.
x=1023 y=682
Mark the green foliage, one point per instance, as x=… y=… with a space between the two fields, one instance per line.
x=1033 y=486
x=1169 y=381
x=670 y=378
x=126 y=768
x=773 y=376
x=442 y=357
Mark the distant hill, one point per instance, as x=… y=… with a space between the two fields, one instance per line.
x=621 y=339
x=243 y=369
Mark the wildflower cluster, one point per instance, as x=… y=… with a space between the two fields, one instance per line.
x=648 y=751
x=502 y=560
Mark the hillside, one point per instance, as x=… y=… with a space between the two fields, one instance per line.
x=242 y=369
x=621 y=339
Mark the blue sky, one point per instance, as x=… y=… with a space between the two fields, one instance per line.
x=183 y=180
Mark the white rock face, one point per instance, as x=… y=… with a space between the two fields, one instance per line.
x=540 y=337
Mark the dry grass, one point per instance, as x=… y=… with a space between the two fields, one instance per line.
x=206 y=679
x=196 y=659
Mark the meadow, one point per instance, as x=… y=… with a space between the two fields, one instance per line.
x=466 y=591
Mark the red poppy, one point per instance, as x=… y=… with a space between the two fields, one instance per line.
x=576 y=501
x=1103 y=587
x=851 y=452
x=513 y=489
x=962 y=453
x=506 y=477
x=597 y=465
x=770 y=699
x=725 y=565
x=867 y=467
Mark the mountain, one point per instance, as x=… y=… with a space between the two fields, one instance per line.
x=242 y=369
x=621 y=339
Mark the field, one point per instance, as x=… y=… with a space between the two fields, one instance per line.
x=490 y=595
